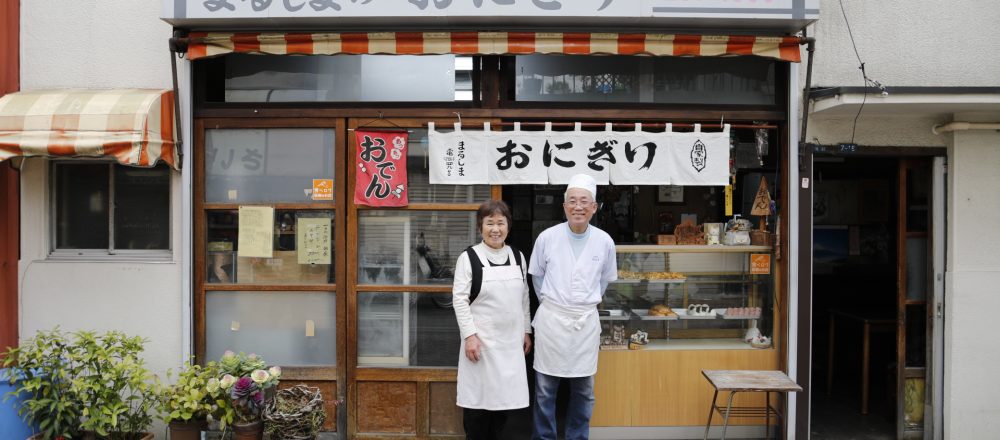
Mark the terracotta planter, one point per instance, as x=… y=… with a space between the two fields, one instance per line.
x=189 y=430
x=248 y=431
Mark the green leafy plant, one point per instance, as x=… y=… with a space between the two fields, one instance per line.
x=40 y=371
x=194 y=396
x=83 y=382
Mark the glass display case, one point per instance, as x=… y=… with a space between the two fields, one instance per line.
x=689 y=297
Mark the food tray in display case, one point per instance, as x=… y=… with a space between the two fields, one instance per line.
x=635 y=281
x=612 y=315
x=645 y=316
x=626 y=276
x=727 y=314
x=683 y=314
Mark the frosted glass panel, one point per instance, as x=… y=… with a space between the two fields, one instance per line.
x=286 y=328
x=341 y=78
x=412 y=247
x=407 y=329
x=266 y=165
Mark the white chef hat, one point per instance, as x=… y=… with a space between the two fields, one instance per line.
x=583 y=181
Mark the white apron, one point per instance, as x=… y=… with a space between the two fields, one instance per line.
x=498 y=381
x=567 y=339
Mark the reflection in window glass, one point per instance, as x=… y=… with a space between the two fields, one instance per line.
x=93 y=198
x=662 y=80
x=285 y=328
x=407 y=329
x=347 y=78
x=412 y=247
x=916 y=268
x=266 y=165
x=418 y=173
x=299 y=257
x=142 y=208
x=81 y=203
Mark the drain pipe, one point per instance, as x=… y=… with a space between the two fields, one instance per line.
x=962 y=126
x=811 y=49
x=176 y=50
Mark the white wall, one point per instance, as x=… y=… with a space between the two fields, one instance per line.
x=97 y=45
x=93 y=44
x=971 y=409
x=935 y=44
x=909 y=43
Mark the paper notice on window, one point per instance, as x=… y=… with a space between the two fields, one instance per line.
x=312 y=240
x=256 y=231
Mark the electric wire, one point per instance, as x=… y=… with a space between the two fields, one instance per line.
x=864 y=75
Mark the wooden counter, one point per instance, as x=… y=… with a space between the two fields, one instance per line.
x=666 y=388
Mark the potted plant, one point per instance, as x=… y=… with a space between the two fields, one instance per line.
x=83 y=384
x=248 y=382
x=186 y=404
x=40 y=375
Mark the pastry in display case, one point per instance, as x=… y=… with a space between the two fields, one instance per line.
x=688 y=296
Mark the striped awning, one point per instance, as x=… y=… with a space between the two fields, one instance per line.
x=210 y=44
x=136 y=127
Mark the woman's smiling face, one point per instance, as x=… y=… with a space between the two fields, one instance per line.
x=494 y=230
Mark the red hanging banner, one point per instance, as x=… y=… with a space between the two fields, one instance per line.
x=381 y=175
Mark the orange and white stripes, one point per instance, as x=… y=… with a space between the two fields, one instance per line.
x=211 y=44
x=136 y=127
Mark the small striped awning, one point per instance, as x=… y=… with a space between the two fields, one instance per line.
x=136 y=127
x=210 y=44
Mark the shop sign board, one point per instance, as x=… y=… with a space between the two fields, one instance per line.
x=785 y=15
x=465 y=157
x=380 y=177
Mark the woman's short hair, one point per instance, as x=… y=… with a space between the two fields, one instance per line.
x=491 y=207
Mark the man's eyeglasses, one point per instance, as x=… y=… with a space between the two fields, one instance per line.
x=578 y=203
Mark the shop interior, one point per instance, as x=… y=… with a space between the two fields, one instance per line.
x=854 y=254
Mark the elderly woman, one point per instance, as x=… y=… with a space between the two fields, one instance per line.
x=491 y=305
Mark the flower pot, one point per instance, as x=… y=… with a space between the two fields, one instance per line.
x=248 y=431
x=189 y=430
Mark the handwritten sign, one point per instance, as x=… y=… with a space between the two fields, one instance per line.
x=256 y=234
x=312 y=240
x=760 y=264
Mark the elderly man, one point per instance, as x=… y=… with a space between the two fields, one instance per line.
x=571 y=265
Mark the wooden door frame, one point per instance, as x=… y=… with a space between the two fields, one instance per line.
x=902 y=234
x=807 y=152
x=290 y=373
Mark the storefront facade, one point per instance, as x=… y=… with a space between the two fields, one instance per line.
x=172 y=299
x=372 y=325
